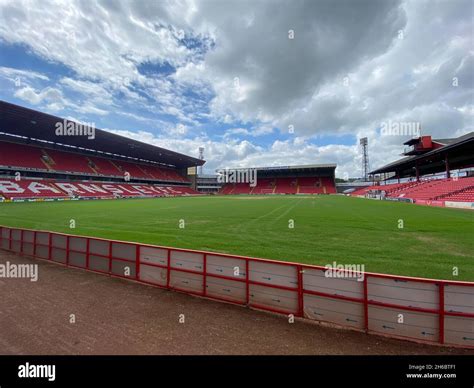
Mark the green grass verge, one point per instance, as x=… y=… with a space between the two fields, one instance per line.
x=326 y=229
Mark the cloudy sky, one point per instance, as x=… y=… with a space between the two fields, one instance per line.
x=257 y=83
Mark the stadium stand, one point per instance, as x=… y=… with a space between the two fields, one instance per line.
x=241 y=188
x=83 y=189
x=318 y=185
x=466 y=195
x=154 y=172
x=313 y=179
x=172 y=175
x=310 y=185
x=227 y=189
x=133 y=169
x=37 y=188
x=264 y=186
x=328 y=184
x=19 y=155
x=66 y=161
x=434 y=189
x=286 y=186
x=429 y=165
x=54 y=166
x=26 y=188
x=388 y=188
x=104 y=167
x=452 y=189
x=35 y=158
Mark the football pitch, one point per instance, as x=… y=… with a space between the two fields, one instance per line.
x=386 y=237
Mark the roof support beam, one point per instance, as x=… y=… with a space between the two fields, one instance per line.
x=446 y=162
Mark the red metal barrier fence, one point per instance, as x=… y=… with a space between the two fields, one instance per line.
x=427 y=310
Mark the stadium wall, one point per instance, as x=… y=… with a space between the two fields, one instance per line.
x=417 y=309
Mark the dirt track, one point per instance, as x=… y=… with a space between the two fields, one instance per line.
x=115 y=316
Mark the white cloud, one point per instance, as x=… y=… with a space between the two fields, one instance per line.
x=252 y=132
x=50 y=95
x=349 y=68
x=233 y=153
x=16 y=75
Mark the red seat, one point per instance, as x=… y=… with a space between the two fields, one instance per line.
x=31 y=157
x=36 y=188
x=104 y=166
x=29 y=188
x=264 y=186
x=72 y=162
x=133 y=169
x=286 y=186
x=426 y=190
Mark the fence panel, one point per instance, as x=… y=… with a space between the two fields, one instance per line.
x=186 y=281
x=153 y=266
x=418 y=325
x=403 y=292
x=458 y=315
x=28 y=242
x=338 y=311
x=412 y=308
x=42 y=245
x=15 y=243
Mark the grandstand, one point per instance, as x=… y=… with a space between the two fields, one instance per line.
x=36 y=188
x=310 y=179
x=35 y=158
x=427 y=171
x=37 y=163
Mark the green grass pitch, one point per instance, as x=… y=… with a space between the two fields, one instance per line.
x=326 y=229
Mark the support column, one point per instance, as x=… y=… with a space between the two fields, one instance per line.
x=417 y=173
x=446 y=162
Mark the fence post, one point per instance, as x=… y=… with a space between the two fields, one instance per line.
x=88 y=240
x=50 y=245
x=110 y=257
x=247 y=282
x=137 y=262
x=67 y=250
x=366 y=304
x=441 y=313
x=204 y=278
x=300 y=271
x=168 y=270
x=34 y=243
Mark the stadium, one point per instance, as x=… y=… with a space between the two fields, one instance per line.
x=287 y=184
x=390 y=256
